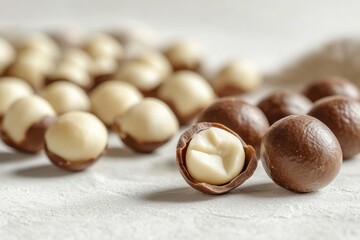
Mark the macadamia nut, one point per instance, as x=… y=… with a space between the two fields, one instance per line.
x=112 y=99
x=184 y=55
x=12 y=89
x=42 y=43
x=102 y=45
x=7 y=55
x=147 y=125
x=66 y=97
x=77 y=136
x=157 y=60
x=215 y=156
x=187 y=93
x=237 y=76
x=78 y=57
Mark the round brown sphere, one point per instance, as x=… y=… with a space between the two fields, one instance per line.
x=342 y=116
x=283 y=103
x=245 y=119
x=329 y=86
x=301 y=154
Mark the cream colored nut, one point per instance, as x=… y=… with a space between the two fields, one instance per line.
x=184 y=55
x=66 y=35
x=68 y=71
x=7 y=55
x=187 y=91
x=102 y=45
x=215 y=156
x=76 y=136
x=143 y=76
x=37 y=60
x=240 y=74
x=23 y=114
x=78 y=57
x=112 y=99
x=11 y=89
x=104 y=65
x=66 y=97
x=41 y=43
x=157 y=60
x=148 y=121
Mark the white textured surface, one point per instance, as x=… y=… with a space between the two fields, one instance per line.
x=128 y=196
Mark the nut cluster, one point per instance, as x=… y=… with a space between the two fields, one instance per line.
x=63 y=92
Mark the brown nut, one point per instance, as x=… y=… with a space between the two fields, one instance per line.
x=301 y=154
x=224 y=163
x=342 y=116
x=76 y=140
x=236 y=77
x=244 y=119
x=187 y=93
x=25 y=123
x=329 y=86
x=283 y=103
x=184 y=55
x=146 y=126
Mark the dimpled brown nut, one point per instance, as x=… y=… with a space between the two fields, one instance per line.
x=187 y=93
x=112 y=99
x=142 y=75
x=342 y=116
x=147 y=125
x=68 y=71
x=65 y=97
x=184 y=55
x=244 y=119
x=7 y=55
x=12 y=89
x=103 y=45
x=329 y=86
x=283 y=103
x=25 y=123
x=76 y=140
x=213 y=159
x=236 y=77
x=301 y=154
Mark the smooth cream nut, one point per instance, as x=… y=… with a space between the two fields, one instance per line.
x=215 y=156
x=238 y=76
x=187 y=93
x=184 y=55
x=41 y=43
x=12 y=89
x=112 y=99
x=102 y=45
x=7 y=55
x=78 y=57
x=157 y=60
x=142 y=75
x=76 y=137
x=66 y=97
x=147 y=125
x=67 y=71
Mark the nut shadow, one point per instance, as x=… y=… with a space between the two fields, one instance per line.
x=8 y=157
x=42 y=171
x=119 y=152
x=266 y=190
x=177 y=195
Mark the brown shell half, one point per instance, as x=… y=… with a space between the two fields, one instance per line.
x=247 y=171
x=73 y=166
x=34 y=137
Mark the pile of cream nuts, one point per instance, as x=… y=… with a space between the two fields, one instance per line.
x=64 y=97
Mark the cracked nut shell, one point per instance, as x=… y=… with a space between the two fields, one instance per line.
x=250 y=162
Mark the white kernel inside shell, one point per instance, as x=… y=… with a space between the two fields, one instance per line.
x=215 y=156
